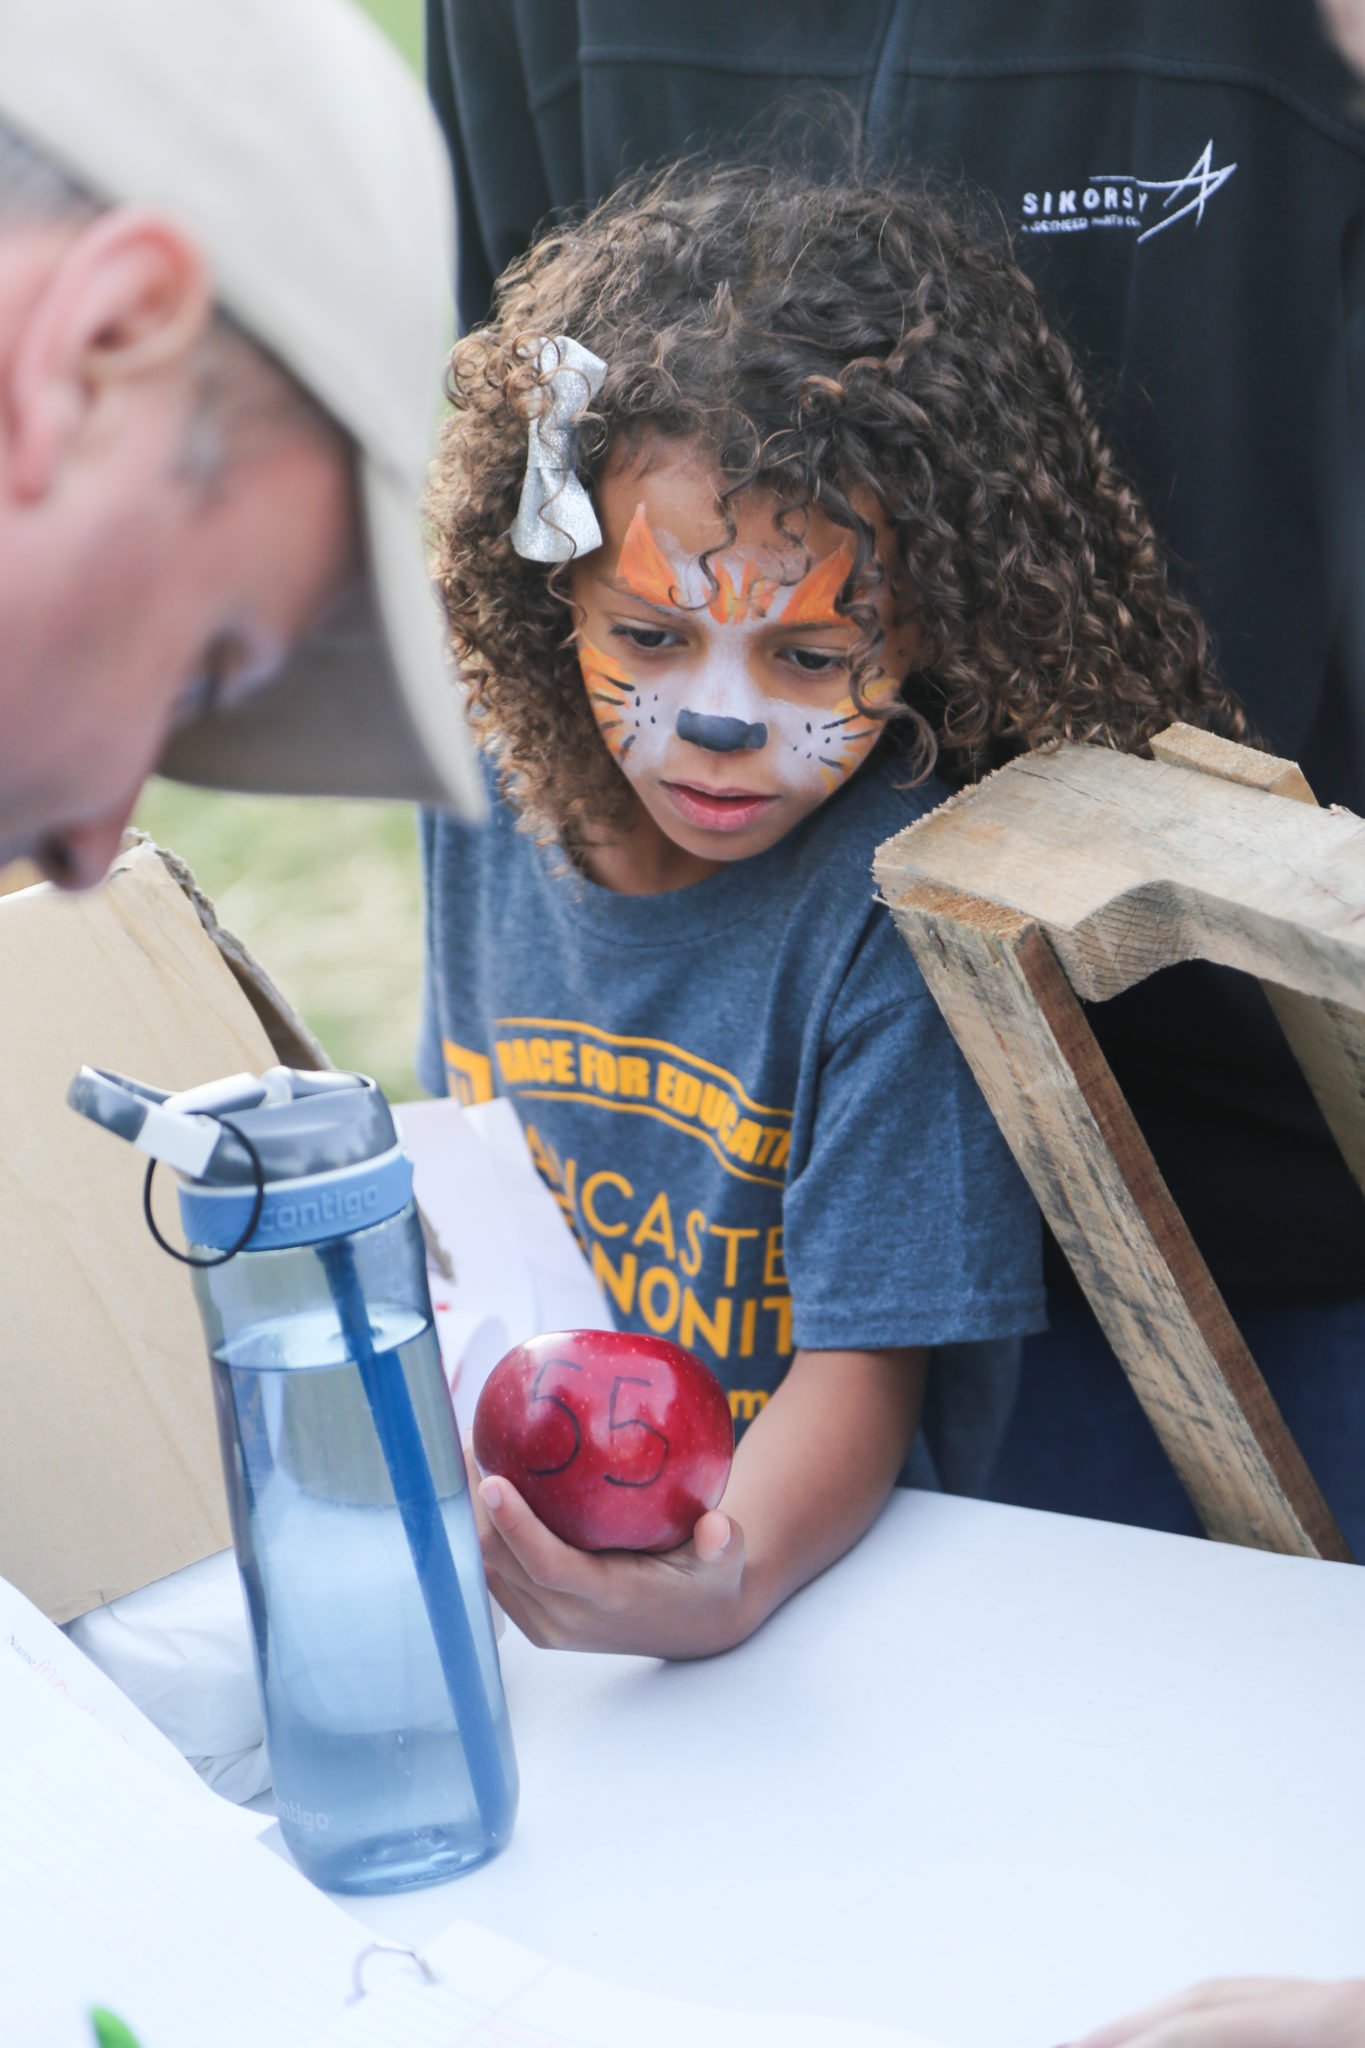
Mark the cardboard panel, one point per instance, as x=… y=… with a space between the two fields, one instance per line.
x=18 y=874
x=109 y=1467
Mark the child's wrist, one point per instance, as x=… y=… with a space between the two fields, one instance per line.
x=730 y=1611
x=754 y=1596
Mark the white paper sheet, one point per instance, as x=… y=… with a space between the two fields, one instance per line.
x=567 y=1295
x=121 y=1888
x=36 y=1645
x=518 y=1268
x=492 y=1993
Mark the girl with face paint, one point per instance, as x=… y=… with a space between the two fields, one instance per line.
x=823 y=514
x=718 y=665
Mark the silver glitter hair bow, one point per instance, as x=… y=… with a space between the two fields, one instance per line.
x=555 y=520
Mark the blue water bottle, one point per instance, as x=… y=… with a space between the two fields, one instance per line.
x=385 y=1719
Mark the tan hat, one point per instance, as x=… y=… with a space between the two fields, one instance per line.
x=290 y=140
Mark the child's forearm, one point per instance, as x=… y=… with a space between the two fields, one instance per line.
x=815 y=1468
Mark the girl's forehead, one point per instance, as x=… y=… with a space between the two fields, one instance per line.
x=676 y=487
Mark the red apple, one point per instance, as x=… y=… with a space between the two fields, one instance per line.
x=616 y=1441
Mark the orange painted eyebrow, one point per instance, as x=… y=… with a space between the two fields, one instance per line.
x=813 y=598
x=773 y=626
x=643 y=566
x=628 y=590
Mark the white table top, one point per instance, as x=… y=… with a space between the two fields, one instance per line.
x=996 y=1777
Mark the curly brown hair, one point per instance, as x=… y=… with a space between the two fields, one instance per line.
x=822 y=340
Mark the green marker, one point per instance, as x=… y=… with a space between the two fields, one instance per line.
x=110 y=2031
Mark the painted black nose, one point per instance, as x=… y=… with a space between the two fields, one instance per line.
x=721 y=735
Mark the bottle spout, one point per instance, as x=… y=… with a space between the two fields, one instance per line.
x=230 y=1095
x=149 y=1118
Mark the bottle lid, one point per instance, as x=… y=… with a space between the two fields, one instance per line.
x=309 y=1155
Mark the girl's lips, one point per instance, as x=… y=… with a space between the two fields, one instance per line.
x=714 y=810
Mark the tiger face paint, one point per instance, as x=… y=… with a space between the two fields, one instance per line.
x=724 y=696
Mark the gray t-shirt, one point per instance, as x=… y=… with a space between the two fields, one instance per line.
x=741 y=1093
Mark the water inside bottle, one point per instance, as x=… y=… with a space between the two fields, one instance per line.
x=373 y=1789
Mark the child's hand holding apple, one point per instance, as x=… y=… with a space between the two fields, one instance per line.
x=606 y=1454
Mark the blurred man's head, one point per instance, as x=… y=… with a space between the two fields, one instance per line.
x=223 y=255
x=175 y=513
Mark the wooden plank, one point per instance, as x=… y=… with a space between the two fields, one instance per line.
x=1188 y=747
x=1326 y=1038
x=1009 y=1005
x=1328 y=1041
x=1128 y=865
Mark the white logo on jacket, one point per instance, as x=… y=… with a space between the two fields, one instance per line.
x=1119 y=200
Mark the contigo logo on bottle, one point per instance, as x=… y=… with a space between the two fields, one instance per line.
x=303 y=1817
x=339 y=1206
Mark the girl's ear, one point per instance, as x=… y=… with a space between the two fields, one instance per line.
x=128 y=298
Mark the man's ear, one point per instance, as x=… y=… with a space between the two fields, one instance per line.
x=128 y=297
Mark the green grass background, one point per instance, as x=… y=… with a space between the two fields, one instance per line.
x=401 y=19
x=325 y=894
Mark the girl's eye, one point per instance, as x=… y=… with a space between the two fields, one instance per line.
x=647 y=638
x=815 y=661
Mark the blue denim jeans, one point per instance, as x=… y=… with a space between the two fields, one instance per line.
x=1079 y=1443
